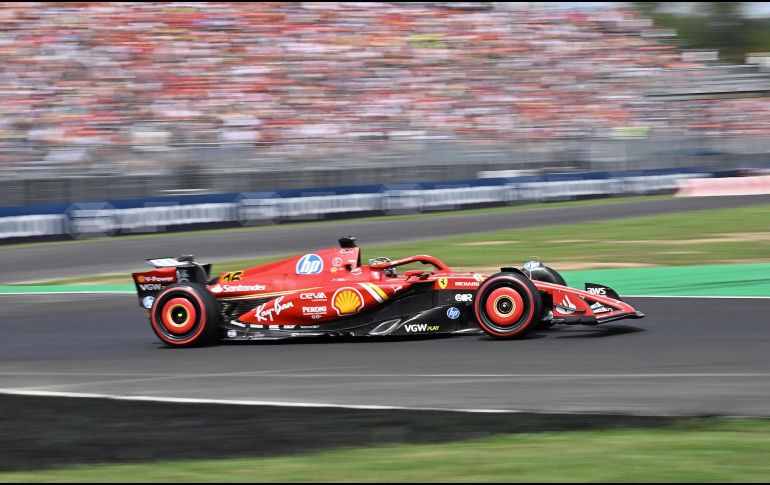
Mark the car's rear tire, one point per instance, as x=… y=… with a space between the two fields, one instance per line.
x=508 y=305
x=185 y=315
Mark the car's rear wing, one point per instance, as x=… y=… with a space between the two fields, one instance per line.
x=168 y=271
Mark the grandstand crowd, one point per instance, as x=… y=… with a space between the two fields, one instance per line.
x=173 y=74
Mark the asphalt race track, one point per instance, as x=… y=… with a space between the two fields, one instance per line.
x=126 y=254
x=689 y=356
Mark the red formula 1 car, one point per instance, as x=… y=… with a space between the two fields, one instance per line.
x=329 y=292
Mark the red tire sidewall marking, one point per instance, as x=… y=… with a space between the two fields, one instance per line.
x=530 y=297
x=201 y=326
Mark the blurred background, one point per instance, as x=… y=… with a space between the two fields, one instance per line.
x=103 y=101
x=139 y=117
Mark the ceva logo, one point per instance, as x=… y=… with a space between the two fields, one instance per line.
x=310 y=264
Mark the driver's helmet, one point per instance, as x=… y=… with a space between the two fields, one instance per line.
x=391 y=272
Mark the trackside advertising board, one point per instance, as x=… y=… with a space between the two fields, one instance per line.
x=158 y=214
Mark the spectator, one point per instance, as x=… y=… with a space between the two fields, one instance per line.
x=298 y=74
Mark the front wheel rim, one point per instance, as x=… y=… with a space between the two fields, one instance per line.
x=504 y=306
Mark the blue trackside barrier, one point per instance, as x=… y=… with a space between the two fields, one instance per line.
x=157 y=214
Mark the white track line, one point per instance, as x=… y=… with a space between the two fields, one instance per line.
x=289 y=374
x=280 y=373
x=292 y=404
x=24 y=392
x=418 y=379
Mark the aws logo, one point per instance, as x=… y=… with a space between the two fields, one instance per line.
x=347 y=301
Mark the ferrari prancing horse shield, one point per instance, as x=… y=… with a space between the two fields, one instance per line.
x=442 y=282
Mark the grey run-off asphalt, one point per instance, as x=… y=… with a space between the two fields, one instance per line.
x=689 y=356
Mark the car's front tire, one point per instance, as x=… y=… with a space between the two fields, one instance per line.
x=548 y=275
x=508 y=305
x=185 y=315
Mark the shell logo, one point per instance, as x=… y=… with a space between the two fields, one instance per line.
x=140 y=279
x=347 y=301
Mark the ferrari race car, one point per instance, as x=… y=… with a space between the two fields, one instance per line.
x=329 y=292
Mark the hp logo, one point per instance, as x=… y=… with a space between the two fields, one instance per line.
x=453 y=313
x=147 y=301
x=310 y=264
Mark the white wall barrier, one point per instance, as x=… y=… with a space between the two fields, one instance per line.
x=32 y=225
x=275 y=208
x=566 y=189
x=442 y=198
x=91 y=220
x=318 y=206
x=103 y=219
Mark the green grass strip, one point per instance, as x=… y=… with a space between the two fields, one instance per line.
x=709 y=280
x=710 y=244
x=724 y=236
x=721 y=451
x=701 y=237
